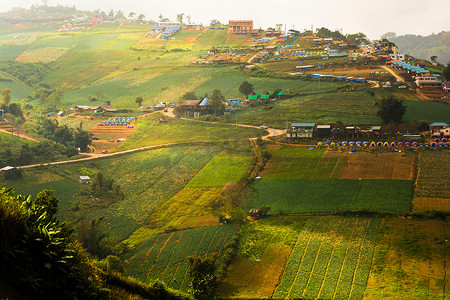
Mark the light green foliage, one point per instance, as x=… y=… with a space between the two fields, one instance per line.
x=221 y=170
x=426 y=110
x=333 y=195
x=331 y=259
x=164 y=257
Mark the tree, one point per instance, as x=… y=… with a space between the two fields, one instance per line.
x=139 y=100
x=446 y=72
x=6 y=95
x=82 y=139
x=189 y=96
x=180 y=18
x=189 y=19
x=433 y=58
x=215 y=23
x=131 y=15
x=278 y=27
x=141 y=18
x=391 y=110
x=203 y=281
x=217 y=102
x=246 y=88
x=388 y=36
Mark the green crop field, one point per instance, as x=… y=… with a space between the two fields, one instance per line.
x=220 y=170
x=333 y=195
x=426 y=110
x=164 y=257
x=151 y=132
x=310 y=167
x=263 y=251
x=410 y=260
x=434 y=175
x=10 y=52
x=18 y=91
x=331 y=259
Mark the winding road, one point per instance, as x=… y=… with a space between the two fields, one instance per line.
x=169 y=113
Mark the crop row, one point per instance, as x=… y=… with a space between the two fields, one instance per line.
x=433 y=174
x=164 y=257
x=331 y=259
x=331 y=195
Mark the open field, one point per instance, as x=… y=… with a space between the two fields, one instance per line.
x=220 y=170
x=424 y=204
x=433 y=174
x=331 y=259
x=10 y=52
x=426 y=110
x=263 y=251
x=151 y=132
x=410 y=260
x=333 y=195
x=18 y=91
x=45 y=55
x=164 y=257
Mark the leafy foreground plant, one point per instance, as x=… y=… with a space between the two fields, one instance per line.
x=39 y=258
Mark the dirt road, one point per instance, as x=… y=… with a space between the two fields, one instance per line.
x=393 y=73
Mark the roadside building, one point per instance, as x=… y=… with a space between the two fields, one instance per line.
x=352 y=131
x=428 y=81
x=8 y=170
x=240 y=26
x=192 y=27
x=108 y=108
x=300 y=130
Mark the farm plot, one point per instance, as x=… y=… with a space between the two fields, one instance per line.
x=164 y=257
x=309 y=167
x=221 y=170
x=333 y=195
x=433 y=174
x=331 y=259
x=263 y=251
x=377 y=166
x=46 y=55
x=410 y=260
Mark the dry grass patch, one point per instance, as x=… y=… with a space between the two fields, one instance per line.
x=424 y=204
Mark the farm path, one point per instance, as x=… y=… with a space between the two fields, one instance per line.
x=375 y=83
x=272 y=131
x=21 y=134
x=393 y=73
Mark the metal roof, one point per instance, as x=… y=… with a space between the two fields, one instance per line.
x=323 y=126
x=303 y=124
x=438 y=124
x=204 y=102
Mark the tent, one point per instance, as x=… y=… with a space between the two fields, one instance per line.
x=380 y=144
x=433 y=144
x=385 y=144
x=344 y=143
x=338 y=144
x=426 y=145
x=365 y=144
x=407 y=144
x=444 y=140
x=414 y=144
x=353 y=150
x=333 y=144
x=319 y=144
x=372 y=144
x=400 y=144
x=393 y=144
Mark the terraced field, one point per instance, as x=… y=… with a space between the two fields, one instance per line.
x=164 y=257
x=433 y=174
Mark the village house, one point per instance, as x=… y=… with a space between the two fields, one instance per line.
x=240 y=26
x=192 y=27
x=323 y=131
x=439 y=129
x=300 y=130
x=195 y=108
x=8 y=170
x=84 y=179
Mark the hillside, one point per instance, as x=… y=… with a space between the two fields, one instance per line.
x=425 y=46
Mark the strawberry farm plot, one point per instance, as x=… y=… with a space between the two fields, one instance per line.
x=331 y=259
x=433 y=174
x=165 y=256
x=220 y=170
x=263 y=251
x=331 y=195
x=410 y=260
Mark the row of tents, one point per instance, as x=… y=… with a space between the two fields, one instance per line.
x=383 y=144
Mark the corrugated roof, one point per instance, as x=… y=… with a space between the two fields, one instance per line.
x=190 y=103
x=303 y=124
x=204 y=102
x=252 y=97
x=323 y=126
x=438 y=124
x=264 y=96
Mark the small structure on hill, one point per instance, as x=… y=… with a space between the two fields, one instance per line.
x=195 y=108
x=439 y=129
x=84 y=179
x=323 y=131
x=240 y=26
x=8 y=170
x=300 y=130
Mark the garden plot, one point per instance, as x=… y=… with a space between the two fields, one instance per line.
x=331 y=259
x=433 y=174
x=165 y=256
x=410 y=260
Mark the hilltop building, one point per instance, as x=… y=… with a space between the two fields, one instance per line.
x=300 y=130
x=240 y=26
